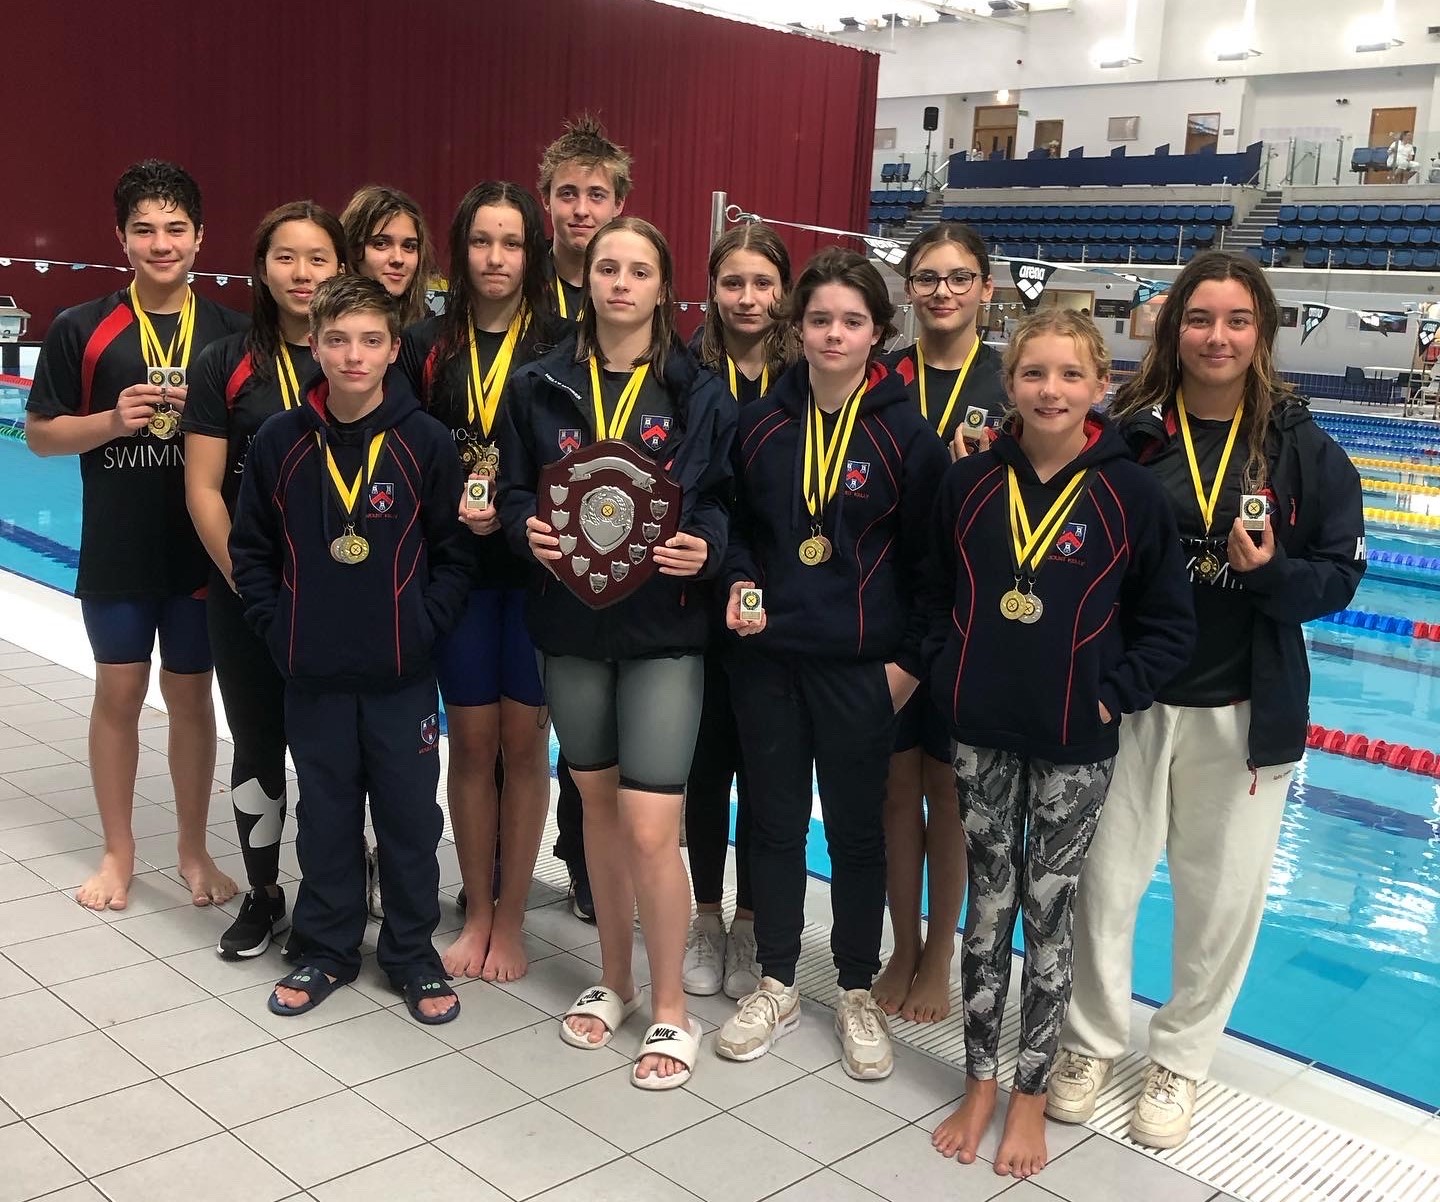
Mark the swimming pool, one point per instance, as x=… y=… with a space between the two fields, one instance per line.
x=1346 y=972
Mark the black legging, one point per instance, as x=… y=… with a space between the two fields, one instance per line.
x=254 y=696
x=707 y=795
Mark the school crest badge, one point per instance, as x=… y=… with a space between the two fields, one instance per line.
x=429 y=732
x=654 y=430
x=1071 y=539
x=857 y=474
x=568 y=440
x=382 y=497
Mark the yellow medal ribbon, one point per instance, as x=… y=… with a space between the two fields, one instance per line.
x=822 y=485
x=1030 y=546
x=735 y=382
x=1206 y=502
x=624 y=407
x=349 y=494
x=954 y=392
x=483 y=396
x=154 y=354
x=560 y=298
x=289 y=381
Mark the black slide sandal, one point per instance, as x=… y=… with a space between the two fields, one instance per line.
x=417 y=989
x=310 y=981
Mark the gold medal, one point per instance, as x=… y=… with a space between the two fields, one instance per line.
x=1012 y=604
x=826 y=548
x=1208 y=567
x=487 y=460
x=349 y=548
x=163 y=423
x=813 y=552
x=1033 y=610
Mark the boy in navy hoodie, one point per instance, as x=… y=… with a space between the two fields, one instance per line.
x=1058 y=603
x=349 y=562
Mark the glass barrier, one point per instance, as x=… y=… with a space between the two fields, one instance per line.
x=1344 y=163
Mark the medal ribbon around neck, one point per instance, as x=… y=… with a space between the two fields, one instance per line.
x=624 y=407
x=1029 y=547
x=289 y=381
x=1207 y=503
x=153 y=353
x=483 y=396
x=735 y=383
x=823 y=461
x=347 y=496
x=954 y=392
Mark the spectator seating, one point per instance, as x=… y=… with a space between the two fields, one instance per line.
x=894 y=173
x=889 y=207
x=1353 y=235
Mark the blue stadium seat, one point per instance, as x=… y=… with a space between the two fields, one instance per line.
x=1168 y=233
x=1390 y=214
x=1426 y=260
x=1378 y=260
x=1132 y=233
x=1168 y=212
x=1067 y=212
x=1333 y=235
x=1270 y=236
x=1369 y=214
x=1083 y=212
x=1349 y=214
x=1188 y=252
x=1308 y=214
x=1288 y=214
x=1096 y=233
x=888 y=172
x=1004 y=212
x=1422 y=236
x=1051 y=213
x=1224 y=214
x=1402 y=260
x=1164 y=254
x=1149 y=233
x=1354 y=235
x=1375 y=236
x=1114 y=213
x=1432 y=214
x=1310 y=235
x=1205 y=214
x=1290 y=235
x=1185 y=214
x=1329 y=214
x=1315 y=257
x=1133 y=212
x=1150 y=214
x=1356 y=258
x=1146 y=254
x=1414 y=214
x=1399 y=236
x=1202 y=235
x=1113 y=254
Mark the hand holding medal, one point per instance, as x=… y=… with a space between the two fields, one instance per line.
x=134 y=408
x=165 y=366
x=477 y=506
x=745 y=611
x=1241 y=550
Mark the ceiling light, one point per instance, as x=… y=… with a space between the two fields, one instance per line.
x=1128 y=61
x=1237 y=56
x=1387 y=44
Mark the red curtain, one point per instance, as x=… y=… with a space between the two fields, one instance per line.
x=274 y=101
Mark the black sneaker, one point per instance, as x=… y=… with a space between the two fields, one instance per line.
x=249 y=935
x=582 y=904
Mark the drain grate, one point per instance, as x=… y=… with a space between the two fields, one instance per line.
x=1248 y=1147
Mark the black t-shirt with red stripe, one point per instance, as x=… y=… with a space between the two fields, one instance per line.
x=231 y=396
x=136 y=538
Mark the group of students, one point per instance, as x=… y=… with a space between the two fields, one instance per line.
x=1000 y=628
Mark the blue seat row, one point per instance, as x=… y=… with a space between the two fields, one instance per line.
x=890 y=213
x=1364 y=214
x=894 y=173
x=914 y=197
x=1108 y=253
x=1171 y=235
x=1218 y=214
x=1319 y=257
x=1350 y=235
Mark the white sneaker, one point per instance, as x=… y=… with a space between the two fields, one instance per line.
x=864 y=1036
x=704 y=955
x=742 y=971
x=1164 y=1109
x=764 y=1016
x=1075 y=1085
x=373 y=904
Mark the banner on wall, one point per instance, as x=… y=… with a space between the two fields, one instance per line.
x=1030 y=279
x=1311 y=315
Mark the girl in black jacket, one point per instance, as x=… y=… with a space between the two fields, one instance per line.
x=1059 y=603
x=1204 y=775
x=835 y=477
x=624 y=683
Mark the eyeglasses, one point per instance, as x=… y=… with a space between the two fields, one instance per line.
x=959 y=281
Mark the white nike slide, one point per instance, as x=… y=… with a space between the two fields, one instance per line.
x=604 y=1004
x=664 y=1039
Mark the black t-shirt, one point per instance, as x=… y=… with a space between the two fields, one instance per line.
x=230 y=396
x=136 y=538
x=984 y=387
x=569 y=298
x=748 y=389
x=444 y=394
x=648 y=429
x=1219 y=671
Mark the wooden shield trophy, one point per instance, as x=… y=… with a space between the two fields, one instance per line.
x=610 y=507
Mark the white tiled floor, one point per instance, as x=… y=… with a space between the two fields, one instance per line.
x=134 y=1064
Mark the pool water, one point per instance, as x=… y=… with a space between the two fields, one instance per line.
x=1346 y=972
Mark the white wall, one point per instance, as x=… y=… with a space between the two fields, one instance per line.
x=1303 y=106
x=905 y=114
x=1161 y=106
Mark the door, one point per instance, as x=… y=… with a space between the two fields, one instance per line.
x=995 y=126
x=1050 y=135
x=1385 y=126
x=1202 y=132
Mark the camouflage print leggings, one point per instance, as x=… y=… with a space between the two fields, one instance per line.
x=1011 y=868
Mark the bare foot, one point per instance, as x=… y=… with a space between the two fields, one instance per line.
x=929 y=998
x=893 y=984
x=506 y=960
x=1022 y=1146
x=290 y=998
x=960 y=1135
x=109 y=888
x=466 y=956
x=208 y=885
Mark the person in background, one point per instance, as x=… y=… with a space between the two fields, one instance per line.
x=387 y=240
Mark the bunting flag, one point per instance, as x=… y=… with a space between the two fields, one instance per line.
x=1311 y=315
x=1428 y=329
x=1146 y=291
x=1030 y=278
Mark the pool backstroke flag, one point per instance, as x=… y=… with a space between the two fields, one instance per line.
x=1428 y=329
x=1030 y=280
x=1146 y=291
x=1310 y=318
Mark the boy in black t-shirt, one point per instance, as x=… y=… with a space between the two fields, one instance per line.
x=110 y=386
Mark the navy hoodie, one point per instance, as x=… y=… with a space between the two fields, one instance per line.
x=667 y=615
x=366 y=626
x=1319 y=558
x=861 y=604
x=1118 y=621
